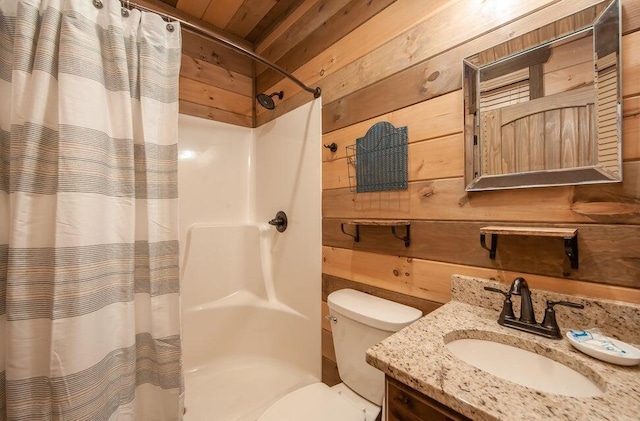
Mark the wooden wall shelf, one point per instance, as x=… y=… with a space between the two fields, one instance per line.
x=570 y=236
x=379 y=223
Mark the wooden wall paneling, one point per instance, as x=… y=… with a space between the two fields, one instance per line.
x=337 y=26
x=326 y=324
x=630 y=16
x=330 y=374
x=193 y=7
x=402 y=90
x=631 y=64
x=220 y=12
x=205 y=72
x=524 y=137
x=217 y=54
x=508 y=148
x=264 y=116
x=392 y=22
x=201 y=93
x=248 y=15
x=327 y=346
x=171 y=3
x=216 y=114
x=273 y=18
x=630 y=107
x=337 y=263
x=631 y=129
x=436 y=76
x=577 y=20
x=447 y=200
x=566 y=55
x=332 y=283
x=284 y=26
x=335 y=174
x=392 y=273
x=586 y=135
x=411 y=48
x=437 y=117
x=431 y=159
x=612 y=203
x=608 y=253
x=536 y=149
x=320 y=70
x=568 y=78
x=491 y=133
x=297 y=31
x=569 y=137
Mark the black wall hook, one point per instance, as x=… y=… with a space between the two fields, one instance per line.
x=332 y=147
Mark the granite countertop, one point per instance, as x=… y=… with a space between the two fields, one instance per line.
x=417 y=357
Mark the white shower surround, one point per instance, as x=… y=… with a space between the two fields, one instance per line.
x=247 y=343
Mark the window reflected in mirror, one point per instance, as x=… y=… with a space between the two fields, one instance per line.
x=544 y=108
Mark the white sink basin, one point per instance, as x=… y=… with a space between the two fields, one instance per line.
x=523 y=367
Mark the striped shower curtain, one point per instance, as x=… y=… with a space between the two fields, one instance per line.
x=89 y=293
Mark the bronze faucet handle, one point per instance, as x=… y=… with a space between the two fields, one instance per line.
x=563 y=303
x=492 y=289
x=549 y=321
x=507 y=305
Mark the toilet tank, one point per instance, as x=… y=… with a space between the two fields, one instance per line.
x=360 y=321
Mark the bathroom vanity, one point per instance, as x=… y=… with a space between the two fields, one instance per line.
x=426 y=380
x=407 y=404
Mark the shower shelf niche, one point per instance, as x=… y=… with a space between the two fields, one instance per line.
x=379 y=223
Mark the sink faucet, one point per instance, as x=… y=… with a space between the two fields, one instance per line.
x=527 y=320
x=521 y=288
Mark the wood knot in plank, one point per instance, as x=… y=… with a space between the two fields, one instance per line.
x=427 y=191
x=608 y=212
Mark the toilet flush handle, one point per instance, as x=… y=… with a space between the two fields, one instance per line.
x=331 y=318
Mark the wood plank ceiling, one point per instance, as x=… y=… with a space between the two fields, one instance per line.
x=252 y=20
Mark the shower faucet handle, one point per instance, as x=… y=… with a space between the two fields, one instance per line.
x=280 y=221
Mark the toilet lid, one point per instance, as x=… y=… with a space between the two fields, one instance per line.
x=316 y=402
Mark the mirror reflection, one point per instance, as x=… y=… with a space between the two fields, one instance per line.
x=544 y=108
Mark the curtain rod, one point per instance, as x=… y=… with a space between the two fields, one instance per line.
x=221 y=39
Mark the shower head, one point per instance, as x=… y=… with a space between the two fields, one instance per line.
x=267 y=100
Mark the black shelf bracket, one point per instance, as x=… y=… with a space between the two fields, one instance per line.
x=356 y=235
x=571 y=250
x=494 y=244
x=407 y=236
x=394 y=224
x=568 y=235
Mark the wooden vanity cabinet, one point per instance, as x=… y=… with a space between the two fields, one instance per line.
x=406 y=404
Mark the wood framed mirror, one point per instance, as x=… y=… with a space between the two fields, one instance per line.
x=544 y=109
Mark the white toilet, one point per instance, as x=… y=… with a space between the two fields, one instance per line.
x=359 y=321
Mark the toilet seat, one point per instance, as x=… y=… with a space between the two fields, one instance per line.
x=316 y=402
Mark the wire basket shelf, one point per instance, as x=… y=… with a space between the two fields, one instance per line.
x=378 y=161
